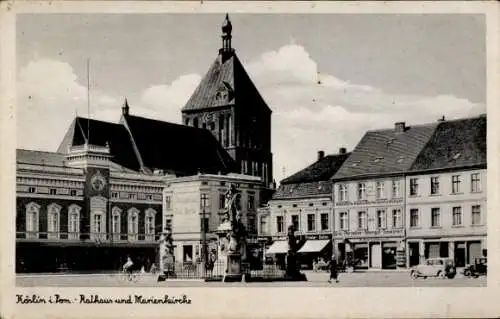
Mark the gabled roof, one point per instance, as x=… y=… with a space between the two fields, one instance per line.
x=178 y=149
x=321 y=170
x=226 y=75
x=302 y=190
x=40 y=158
x=102 y=133
x=454 y=144
x=312 y=180
x=387 y=151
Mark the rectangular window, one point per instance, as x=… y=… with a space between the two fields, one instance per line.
x=114 y=194
x=413 y=186
x=435 y=217
x=32 y=222
x=251 y=202
x=361 y=220
x=380 y=218
x=476 y=215
x=31 y=190
x=395 y=189
x=149 y=197
x=455 y=184
x=457 y=216
x=396 y=218
x=72 y=192
x=295 y=222
x=150 y=225
x=361 y=191
x=311 y=222
x=434 y=185
x=116 y=224
x=380 y=190
x=279 y=224
x=343 y=192
x=324 y=221
x=168 y=202
x=53 y=191
x=343 y=221
x=414 y=217
x=251 y=224
x=263 y=225
x=475 y=183
x=222 y=201
x=74 y=223
x=168 y=223
x=98 y=227
x=53 y=222
x=131 y=196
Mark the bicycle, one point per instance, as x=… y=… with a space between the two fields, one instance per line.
x=131 y=276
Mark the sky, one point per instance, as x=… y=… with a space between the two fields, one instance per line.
x=328 y=78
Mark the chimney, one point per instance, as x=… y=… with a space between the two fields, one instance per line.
x=321 y=154
x=400 y=127
x=342 y=150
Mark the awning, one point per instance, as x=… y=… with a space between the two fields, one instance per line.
x=278 y=247
x=314 y=246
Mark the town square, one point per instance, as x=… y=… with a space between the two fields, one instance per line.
x=255 y=166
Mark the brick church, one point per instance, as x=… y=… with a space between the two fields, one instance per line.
x=99 y=197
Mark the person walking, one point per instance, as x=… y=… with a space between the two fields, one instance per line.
x=333 y=270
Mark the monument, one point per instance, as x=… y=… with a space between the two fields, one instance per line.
x=292 y=266
x=232 y=237
x=166 y=255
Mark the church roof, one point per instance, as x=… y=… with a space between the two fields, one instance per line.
x=102 y=133
x=386 y=151
x=225 y=84
x=455 y=144
x=179 y=149
x=141 y=143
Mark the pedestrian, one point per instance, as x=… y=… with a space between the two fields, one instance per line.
x=333 y=270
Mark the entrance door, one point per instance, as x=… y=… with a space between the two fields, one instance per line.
x=460 y=254
x=475 y=251
x=414 y=254
x=376 y=256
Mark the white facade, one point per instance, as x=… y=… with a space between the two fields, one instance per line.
x=446 y=215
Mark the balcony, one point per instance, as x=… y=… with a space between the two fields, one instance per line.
x=398 y=232
x=65 y=237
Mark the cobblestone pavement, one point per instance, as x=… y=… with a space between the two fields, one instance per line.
x=358 y=279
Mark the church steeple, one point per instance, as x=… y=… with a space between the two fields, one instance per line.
x=227 y=29
x=125 y=107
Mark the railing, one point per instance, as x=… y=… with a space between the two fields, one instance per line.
x=76 y=236
x=193 y=270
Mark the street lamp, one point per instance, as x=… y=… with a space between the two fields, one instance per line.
x=204 y=199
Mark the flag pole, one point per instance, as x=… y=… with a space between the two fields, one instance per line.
x=88 y=100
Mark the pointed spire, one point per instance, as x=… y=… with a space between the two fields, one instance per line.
x=125 y=107
x=227 y=29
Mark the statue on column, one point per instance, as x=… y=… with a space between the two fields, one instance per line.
x=236 y=235
x=292 y=266
x=167 y=258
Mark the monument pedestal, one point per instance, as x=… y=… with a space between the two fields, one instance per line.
x=234 y=272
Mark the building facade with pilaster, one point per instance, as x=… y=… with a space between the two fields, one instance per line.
x=446 y=195
x=305 y=201
x=369 y=191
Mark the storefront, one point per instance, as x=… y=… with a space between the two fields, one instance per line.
x=368 y=254
x=314 y=249
x=276 y=253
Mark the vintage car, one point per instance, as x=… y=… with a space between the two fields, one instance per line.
x=435 y=267
x=478 y=268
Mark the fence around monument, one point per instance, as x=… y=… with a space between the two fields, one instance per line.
x=199 y=271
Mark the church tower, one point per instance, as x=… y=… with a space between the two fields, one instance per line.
x=227 y=103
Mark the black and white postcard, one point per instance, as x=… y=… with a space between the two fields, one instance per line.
x=253 y=159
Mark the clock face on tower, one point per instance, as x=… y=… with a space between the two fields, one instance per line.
x=98 y=182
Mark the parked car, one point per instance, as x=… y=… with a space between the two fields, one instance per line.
x=435 y=267
x=478 y=268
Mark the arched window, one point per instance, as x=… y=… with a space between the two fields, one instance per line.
x=133 y=223
x=74 y=221
x=149 y=223
x=53 y=214
x=116 y=222
x=32 y=212
x=195 y=122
